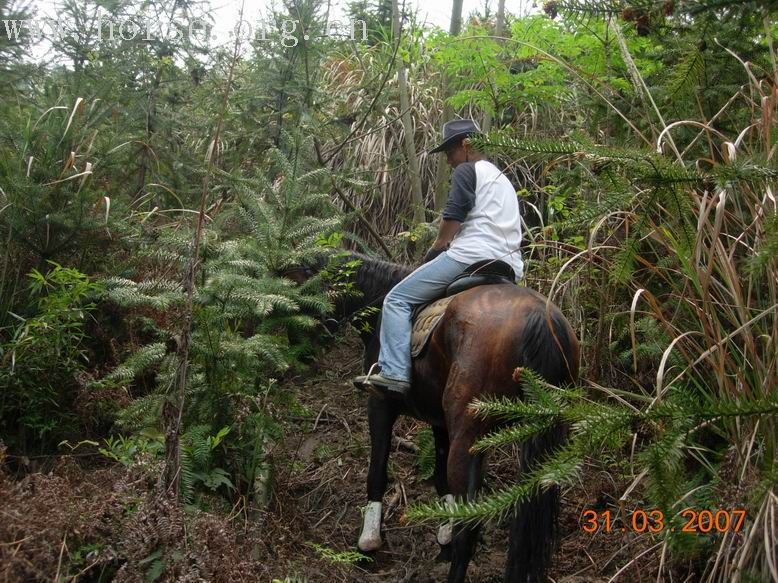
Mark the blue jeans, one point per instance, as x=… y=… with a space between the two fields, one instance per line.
x=426 y=283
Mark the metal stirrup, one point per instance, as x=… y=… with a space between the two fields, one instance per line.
x=367 y=378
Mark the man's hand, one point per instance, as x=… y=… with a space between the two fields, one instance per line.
x=448 y=228
x=432 y=253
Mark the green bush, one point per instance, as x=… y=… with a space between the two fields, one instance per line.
x=249 y=326
x=43 y=360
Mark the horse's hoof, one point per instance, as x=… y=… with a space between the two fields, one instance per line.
x=369 y=544
x=446 y=530
x=370 y=537
x=445 y=533
x=444 y=556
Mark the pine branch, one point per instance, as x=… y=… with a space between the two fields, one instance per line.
x=687 y=74
x=506 y=409
x=561 y=468
x=425 y=457
x=512 y=435
x=140 y=361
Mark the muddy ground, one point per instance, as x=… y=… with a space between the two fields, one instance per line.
x=81 y=520
x=323 y=494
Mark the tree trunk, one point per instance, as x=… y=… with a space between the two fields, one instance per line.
x=417 y=196
x=499 y=30
x=442 y=174
x=151 y=123
x=456 y=18
x=173 y=408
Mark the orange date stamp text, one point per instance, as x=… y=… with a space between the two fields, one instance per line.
x=640 y=521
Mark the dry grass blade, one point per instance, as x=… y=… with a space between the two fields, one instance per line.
x=79 y=101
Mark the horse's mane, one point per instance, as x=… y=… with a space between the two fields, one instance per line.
x=375 y=277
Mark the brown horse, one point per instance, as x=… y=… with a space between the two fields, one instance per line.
x=486 y=333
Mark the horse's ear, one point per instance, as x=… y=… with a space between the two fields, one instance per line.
x=305 y=270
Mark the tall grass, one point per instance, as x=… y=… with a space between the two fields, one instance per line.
x=699 y=261
x=673 y=291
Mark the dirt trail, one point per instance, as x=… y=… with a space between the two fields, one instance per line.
x=104 y=522
x=320 y=488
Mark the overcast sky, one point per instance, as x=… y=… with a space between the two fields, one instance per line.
x=432 y=12
x=436 y=12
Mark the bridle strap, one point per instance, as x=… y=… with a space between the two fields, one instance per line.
x=367 y=305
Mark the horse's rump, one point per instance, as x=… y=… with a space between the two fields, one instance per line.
x=492 y=330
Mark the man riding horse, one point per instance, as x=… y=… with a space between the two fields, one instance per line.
x=481 y=221
x=472 y=344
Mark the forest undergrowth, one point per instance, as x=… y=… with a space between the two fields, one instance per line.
x=173 y=403
x=80 y=516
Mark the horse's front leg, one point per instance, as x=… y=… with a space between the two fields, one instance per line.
x=441 y=484
x=381 y=415
x=465 y=474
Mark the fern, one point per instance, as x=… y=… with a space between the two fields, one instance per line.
x=663 y=459
x=608 y=202
x=687 y=74
x=140 y=361
x=425 y=458
x=623 y=266
x=347 y=557
x=187 y=474
x=195 y=441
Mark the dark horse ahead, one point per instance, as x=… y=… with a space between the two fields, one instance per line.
x=485 y=334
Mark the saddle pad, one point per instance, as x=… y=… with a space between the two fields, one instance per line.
x=425 y=323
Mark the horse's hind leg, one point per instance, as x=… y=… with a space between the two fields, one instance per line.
x=441 y=459
x=381 y=416
x=533 y=526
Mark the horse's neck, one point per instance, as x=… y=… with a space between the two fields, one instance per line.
x=374 y=278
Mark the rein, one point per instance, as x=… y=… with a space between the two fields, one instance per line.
x=376 y=300
x=346 y=317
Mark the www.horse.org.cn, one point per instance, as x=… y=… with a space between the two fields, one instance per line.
x=289 y=32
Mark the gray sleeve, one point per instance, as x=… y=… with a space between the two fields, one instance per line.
x=461 y=197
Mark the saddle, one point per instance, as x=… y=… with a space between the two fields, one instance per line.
x=425 y=317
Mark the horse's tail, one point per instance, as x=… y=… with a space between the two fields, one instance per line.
x=549 y=348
